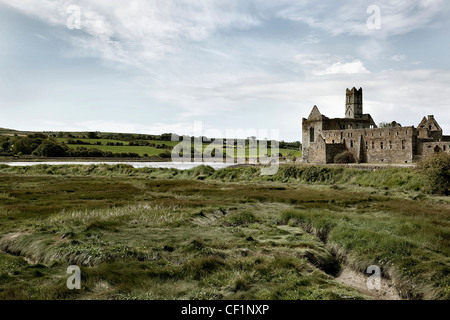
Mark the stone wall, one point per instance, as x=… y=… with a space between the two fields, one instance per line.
x=307 y=144
x=317 y=151
x=429 y=147
x=379 y=145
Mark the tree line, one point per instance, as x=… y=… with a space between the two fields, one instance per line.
x=40 y=145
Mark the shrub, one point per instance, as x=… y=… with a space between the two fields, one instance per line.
x=436 y=171
x=93 y=135
x=242 y=219
x=165 y=154
x=344 y=157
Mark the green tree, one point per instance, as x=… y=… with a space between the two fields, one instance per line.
x=51 y=148
x=92 y=135
x=22 y=144
x=4 y=143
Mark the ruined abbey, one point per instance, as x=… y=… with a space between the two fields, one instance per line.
x=357 y=133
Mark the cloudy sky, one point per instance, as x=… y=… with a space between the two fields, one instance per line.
x=154 y=66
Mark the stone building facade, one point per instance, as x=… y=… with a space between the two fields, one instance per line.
x=324 y=138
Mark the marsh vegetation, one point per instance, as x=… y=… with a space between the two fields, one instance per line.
x=218 y=234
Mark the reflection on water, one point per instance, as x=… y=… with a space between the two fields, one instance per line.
x=176 y=165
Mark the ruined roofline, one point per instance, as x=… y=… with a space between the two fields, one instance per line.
x=364 y=117
x=375 y=129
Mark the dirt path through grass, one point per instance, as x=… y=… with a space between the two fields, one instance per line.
x=358 y=281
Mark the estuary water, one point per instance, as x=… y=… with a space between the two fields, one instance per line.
x=175 y=165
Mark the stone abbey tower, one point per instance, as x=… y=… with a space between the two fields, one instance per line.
x=324 y=138
x=354 y=103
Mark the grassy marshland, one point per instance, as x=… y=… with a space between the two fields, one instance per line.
x=205 y=234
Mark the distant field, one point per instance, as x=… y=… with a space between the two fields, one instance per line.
x=121 y=144
x=151 y=151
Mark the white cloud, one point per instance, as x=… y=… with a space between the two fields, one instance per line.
x=138 y=31
x=350 y=17
x=225 y=61
x=398 y=57
x=326 y=64
x=344 y=68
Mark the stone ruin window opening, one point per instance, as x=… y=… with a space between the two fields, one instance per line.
x=311 y=135
x=381 y=145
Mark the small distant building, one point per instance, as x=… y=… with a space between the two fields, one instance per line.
x=324 y=138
